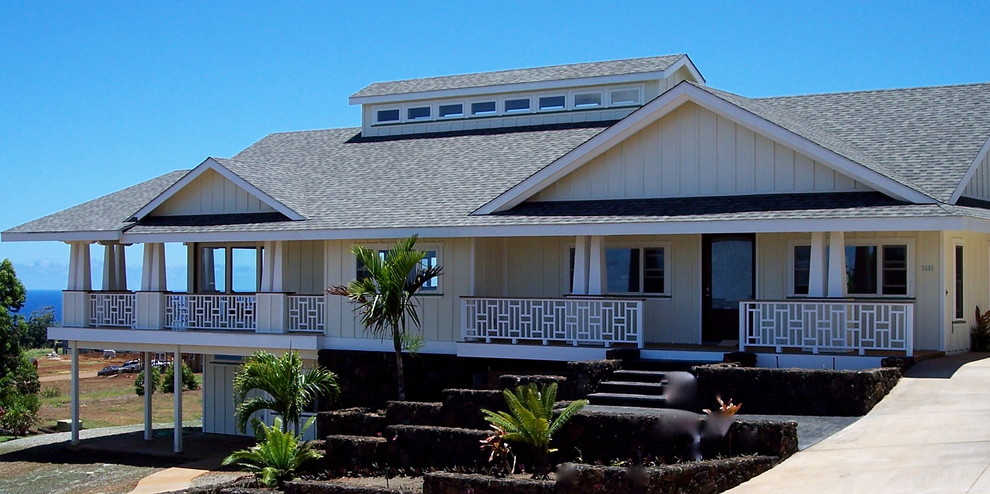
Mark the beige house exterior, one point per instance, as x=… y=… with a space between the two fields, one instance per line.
x=574 y=209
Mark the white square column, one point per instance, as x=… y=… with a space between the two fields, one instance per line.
x=596 y=266
x=837 y=264
x=817 y=274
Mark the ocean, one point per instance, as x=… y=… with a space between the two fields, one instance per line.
x=37 y=299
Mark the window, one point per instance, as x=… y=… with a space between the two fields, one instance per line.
x=959 y=283
x=516 y=105
x=631 y=270
x=431 y=259
x=228 y=269
x=876 y=270
x=455 y=110
x=387 y=116
x=620 y=97
x=483 y=108
x=802 y=269
x=418 y=113
x=587 y=100
x=552 y=103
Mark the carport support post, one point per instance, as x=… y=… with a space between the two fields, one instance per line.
x=146 y=365
x=177 y=397
x=74 y=392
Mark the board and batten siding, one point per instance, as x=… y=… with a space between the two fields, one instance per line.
x=539 y=267
x=211 y=193
x=775 y=274
x=979 y=184
x=303 y=272
x=439 y=314
x=694 y=152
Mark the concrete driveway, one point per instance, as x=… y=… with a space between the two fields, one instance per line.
x=931 y=434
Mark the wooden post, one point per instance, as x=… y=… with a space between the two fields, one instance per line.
x=147 y=396
x=74 y=392
x=177 y=399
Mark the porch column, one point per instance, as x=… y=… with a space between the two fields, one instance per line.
x=596 y=265
x=75 y=298
x=836 y=264
x=114 y=267
x=177 y=400
x=816 y=275
x=151 y=299
x=580 y=284
x=74 y=392
x=273 y=303
x=146 y=364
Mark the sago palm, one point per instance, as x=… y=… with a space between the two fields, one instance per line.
x=287 y=387
x=277 y=456
x=385 y=298
x=530 y=420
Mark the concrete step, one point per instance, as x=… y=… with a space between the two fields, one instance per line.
x=627 y=399
x=638 y=376
x=631 y=387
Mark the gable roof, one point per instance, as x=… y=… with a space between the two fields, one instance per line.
x=522 y=76
x=775 y=124
x=260 y=187
x=928 y=135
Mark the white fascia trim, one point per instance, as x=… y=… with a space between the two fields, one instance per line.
x=975 y=165
x=913 y=223
x=92 y=236
x=192 y=341
x=211 y=164
x=530 y=352
x=693 y=69
x=665 y=104
x=511 y=88
x=377 y=345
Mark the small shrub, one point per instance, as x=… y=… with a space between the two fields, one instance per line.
x=277 y=456
x=20 y=413
x=51 y=392
x=156 y=380
x=188 y=379
x=531 y=421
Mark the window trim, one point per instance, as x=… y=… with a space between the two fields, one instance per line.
x=462 y=114
x=538 y=108
x=388 y=108
x=879 y=243
x=639 y=96
x=425 y=246
x=958 y=280
x=228 y=249
x=572 y=97
x=469 y=113
x=505 y=111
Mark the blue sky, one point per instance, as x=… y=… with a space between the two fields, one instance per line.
x=97 y=96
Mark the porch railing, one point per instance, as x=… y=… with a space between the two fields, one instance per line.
x=827 y=325
x=307 y=313
x=111 y=309
x=599 y=321
x=223 y=312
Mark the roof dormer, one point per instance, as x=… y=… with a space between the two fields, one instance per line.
x=583 y=92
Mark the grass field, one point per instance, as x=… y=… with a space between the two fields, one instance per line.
x=104 y=401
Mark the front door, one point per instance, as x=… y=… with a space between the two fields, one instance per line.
x=728 y=267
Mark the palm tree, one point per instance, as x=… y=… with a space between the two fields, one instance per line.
x=385 y=297
x=288 y=388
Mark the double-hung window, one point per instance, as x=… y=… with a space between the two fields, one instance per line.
x=431 y=259
x=871 y=269
x=632 y=270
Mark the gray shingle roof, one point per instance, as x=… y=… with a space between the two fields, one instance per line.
x=518 y=76
x=929 y=135
x=107 y=213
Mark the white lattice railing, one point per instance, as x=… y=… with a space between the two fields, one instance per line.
x=830 y=325
x=572 y=320
x=307 y=313
x=210 y=312
x=108 y=309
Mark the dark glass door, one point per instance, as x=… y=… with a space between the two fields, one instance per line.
x=728 y=267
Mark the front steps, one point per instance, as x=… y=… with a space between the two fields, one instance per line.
x=646 y=389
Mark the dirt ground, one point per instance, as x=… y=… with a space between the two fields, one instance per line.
x=108 y=400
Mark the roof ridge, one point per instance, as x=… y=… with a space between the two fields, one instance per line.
x=868 y=91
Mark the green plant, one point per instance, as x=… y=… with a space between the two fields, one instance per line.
x=530 y=420
x=50 y=392
x=501 y=458
x=156 y=380
x=385 y=297
x=20 y=412
x=980 y=334
x=277 y=456
x=287 y=388
x=189 y=381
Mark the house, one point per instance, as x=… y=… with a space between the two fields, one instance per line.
x=574 y=208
